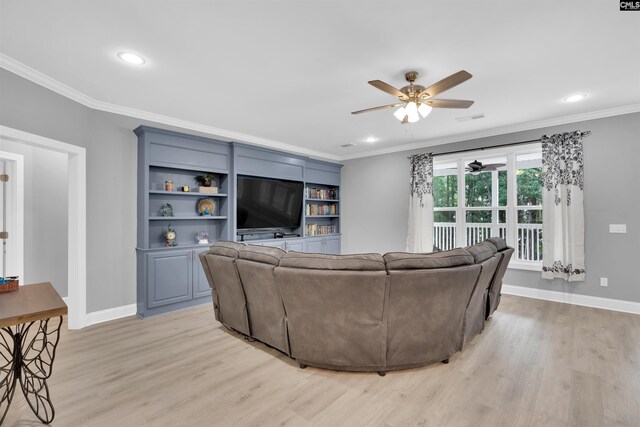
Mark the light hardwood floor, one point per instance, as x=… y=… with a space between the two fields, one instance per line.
x=537 y=363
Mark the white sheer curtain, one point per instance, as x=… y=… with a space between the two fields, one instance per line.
x=563 y=207
x=420 y=232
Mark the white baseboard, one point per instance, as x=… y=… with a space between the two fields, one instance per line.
x=576 y=299
x=110 y=314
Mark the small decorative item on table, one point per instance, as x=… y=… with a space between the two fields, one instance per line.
x=166 y=210
x=206 y=206
x=185 y=188
x=206 y=182
x=8 y=284
x=202 y=238
x=168 y=186
x=170 y=237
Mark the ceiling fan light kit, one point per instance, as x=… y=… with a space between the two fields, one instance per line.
x=416 y=100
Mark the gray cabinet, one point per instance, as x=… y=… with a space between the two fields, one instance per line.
x=295 y=245
x=173 y=278
x=324 y=245
x=169 y=277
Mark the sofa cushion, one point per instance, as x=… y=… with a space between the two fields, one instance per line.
x=444 y=259
x=369 y=262
x=264 y=254
x=498 y=242
x=481 y=251
x=225 y=248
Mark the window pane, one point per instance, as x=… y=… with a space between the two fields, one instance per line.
x=478 y=217
x=444 y=216
x=529 y=216
x=529 y=179
x=445 y=191
x=478 y=189
x=502 y=217
x=502 y=188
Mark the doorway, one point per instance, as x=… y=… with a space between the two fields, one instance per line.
x=76 y=187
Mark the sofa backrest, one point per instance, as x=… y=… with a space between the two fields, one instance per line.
x=495 y=288
x=428 y=295
x=335 y=307
x=486 y=256
x=267 y=317
x=225 y=281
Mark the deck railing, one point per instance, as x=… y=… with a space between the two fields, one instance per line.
x=528 y=237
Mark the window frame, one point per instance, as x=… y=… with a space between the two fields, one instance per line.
x=510 y=153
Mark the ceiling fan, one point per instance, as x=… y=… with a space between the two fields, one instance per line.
x=476 y=167
x=414 y=99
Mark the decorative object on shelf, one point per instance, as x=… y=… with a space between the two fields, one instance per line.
x=206 y=206
x=170 y=237
x=8 y=284
x=166 y=210
x=168 y=186
x=202 y=238
x=185 y=189
x=208 y=190
x=205 y=180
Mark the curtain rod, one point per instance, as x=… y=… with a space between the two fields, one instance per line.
x=586 y=133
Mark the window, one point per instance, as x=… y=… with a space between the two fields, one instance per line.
x=505 y=201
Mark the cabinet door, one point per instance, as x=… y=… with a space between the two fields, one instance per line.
x=169 y=277
x=295 y=246
x=315 y=246
x=332 y=245
x=200 y=284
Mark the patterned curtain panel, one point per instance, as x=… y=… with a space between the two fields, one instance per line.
x=563 y=207
x=420 y=234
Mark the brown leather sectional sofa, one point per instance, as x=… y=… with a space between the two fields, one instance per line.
x=363 y=312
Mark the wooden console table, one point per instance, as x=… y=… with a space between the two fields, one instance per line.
x=30 y=321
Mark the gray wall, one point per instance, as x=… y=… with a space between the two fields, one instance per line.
x=45 y=214
x=375 y=198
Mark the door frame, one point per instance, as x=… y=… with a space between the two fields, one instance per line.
x=77 y=220
x=14 y=199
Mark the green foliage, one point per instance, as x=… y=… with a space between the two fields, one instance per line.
x=445 y=191
x=529 y=186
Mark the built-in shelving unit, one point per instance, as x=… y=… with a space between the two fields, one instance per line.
x=171 y=277
x=322 y=210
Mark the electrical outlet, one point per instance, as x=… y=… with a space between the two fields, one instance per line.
x=618 y=228
x=604 y=281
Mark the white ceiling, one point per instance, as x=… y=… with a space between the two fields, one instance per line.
x=290 y=72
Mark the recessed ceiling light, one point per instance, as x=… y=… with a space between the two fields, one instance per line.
x=131 y=58
x=575 y=98
x=370 y=139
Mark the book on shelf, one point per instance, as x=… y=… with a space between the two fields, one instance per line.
x=314 y=209
x=321 y=193
x=319 y=230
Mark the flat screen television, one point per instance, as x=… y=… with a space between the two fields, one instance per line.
x=265 y=203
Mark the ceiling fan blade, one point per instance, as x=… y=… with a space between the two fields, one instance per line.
x=381 y=107
x=493 y=166
x=446 y=84
x=385 y=87
x=449 y=103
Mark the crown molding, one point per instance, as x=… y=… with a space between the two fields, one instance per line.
x=518 y=127
x=52 y=84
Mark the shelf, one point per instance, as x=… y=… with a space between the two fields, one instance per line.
x=322 y=216
x=323 y=200
x=322 y=235
x=178 y=218
x=186 y=193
